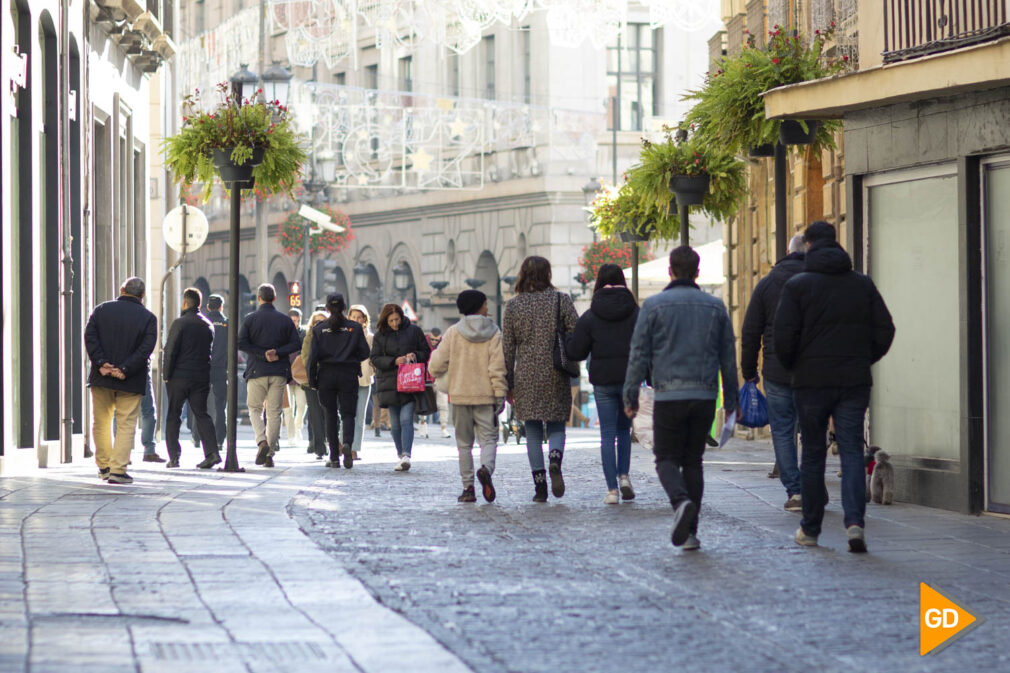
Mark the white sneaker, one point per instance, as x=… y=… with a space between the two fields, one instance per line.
x=405 y=462
x=691 y=543
x=611 y=498
x=399 y=466
x=446 y=434
x=627 y=492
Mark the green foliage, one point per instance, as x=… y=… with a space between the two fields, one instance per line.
x=650 y=178
x=240 y=128
x=614 y=211
x=729 y=111
x=291 y=234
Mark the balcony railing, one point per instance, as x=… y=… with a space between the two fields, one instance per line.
x=915 y=28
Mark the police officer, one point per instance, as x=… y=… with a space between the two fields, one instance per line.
x=337 y=351
x=218 y=371
x=187 y=377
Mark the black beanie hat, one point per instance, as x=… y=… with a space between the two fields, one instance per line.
x=469 y=301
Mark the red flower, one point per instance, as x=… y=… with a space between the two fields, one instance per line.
x=775 y=61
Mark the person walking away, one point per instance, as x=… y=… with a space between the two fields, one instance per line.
x=397 y=342
x=471 y=356
x=757 y=334
x=267 y=337
x=120 y=336
x=604 y=333
x=335 y=355
x=435 y=337
x=830 y=326
x=542 y=395
x=295 y=412
x=359 y=314
x=317 y=420
x=148 y=424
x=683 y=339
x=217 y=402
x=186 y=372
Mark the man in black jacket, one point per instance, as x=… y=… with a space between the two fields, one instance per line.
x=268 y=337
x=218 y=400
x=830 y=326
x=187 y=376
x=757 y=333
x=119 y=337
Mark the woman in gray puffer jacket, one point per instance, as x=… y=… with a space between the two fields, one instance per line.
x=542 y=395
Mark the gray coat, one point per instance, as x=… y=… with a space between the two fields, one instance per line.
x=540 y=392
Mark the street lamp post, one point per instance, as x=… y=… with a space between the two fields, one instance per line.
x=244 y=83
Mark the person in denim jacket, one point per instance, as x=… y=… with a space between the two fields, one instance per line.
x=683 y=340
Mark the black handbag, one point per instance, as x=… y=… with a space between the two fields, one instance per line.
x=561 y=361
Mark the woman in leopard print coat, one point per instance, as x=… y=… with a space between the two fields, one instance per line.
x=542 y=395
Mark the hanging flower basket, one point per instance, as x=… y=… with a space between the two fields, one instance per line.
x=766 y=150
x=792 y=132
x=690 y=190
x=232 y=172
x=291 y=234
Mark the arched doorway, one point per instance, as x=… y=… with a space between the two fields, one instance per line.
x=246 y=298
x=280 y=283
x=487 y=271
x=203 y=286
x=368 y=288
x=404 y=286
x=340 y=284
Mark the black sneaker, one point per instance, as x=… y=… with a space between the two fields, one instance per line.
x=123 y=478
x=263 y=453
x=103 y=474
x=153 y=458
x=310 y=449
x=333 y=463
x=172 y=462
x=684 y=517
x=484 y=477
x=711 y=442
x=557 y=481
x=210 y=462
x=467 y=495
x=348 y=456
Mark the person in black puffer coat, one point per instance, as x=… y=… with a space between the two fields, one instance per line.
x=337 y=350
x=759 y=333
x=603 y=334
x=830 y=327
x=395 y=343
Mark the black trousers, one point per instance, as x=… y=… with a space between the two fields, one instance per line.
x=679 y=432
x=181 y=391
x=338 y=394
x=317 y=423
x=217 y=403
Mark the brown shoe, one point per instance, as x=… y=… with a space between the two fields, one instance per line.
x=263 y=454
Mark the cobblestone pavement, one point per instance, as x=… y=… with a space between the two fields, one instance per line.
x=185 y=570
x=579 y=586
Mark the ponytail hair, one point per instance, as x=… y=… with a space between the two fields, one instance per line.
x=336 y=305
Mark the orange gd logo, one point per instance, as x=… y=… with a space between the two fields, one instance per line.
x=941 y=620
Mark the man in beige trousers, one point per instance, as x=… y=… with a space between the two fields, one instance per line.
x=471 y=363
x=120 y=337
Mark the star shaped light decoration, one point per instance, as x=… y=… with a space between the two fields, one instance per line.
x=421 y=160
x=457 y=128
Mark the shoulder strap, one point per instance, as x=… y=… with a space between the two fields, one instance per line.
x=557 y=313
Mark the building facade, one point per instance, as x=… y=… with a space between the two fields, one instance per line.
x=927 y=172
x=75 y=137
x=536 y=123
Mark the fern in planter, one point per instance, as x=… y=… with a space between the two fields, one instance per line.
x=659 y=161
x=618 y=210
x=729 y=111
x=240 y=130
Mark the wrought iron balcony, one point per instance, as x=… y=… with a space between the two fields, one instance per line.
x=914 y=28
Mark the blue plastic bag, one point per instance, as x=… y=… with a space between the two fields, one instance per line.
x=753 y=407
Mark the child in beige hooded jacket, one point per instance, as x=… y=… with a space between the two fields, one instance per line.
x=471 y=360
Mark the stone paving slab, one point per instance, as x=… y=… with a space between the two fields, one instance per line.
x=186 y=570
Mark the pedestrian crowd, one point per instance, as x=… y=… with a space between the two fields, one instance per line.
x=815 y=323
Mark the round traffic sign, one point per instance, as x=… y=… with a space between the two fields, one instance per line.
x=196 y=228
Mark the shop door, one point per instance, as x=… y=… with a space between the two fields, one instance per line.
x=996 y=201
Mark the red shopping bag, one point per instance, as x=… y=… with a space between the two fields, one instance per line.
x=410 y=377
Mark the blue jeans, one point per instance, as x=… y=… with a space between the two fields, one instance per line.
x=149 y=419
x=401 y=422
x=615 y=432
x=535 y=441
x=848 y=407
x=782 y=418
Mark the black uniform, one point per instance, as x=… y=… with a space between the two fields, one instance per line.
x=333 y=369
x=187 y=377
x=218 y=400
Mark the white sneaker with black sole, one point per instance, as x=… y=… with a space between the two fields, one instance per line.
x=691 y=543
x=684 y=517
x=857 y=539
x=627 y=492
